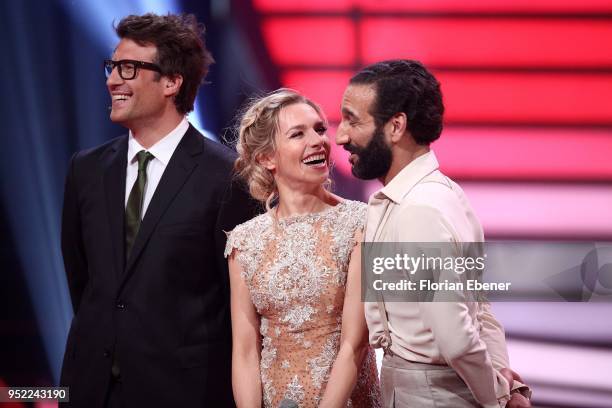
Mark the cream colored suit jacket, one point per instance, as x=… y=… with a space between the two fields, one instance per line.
x=421 y=204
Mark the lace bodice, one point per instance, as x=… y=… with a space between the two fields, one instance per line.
x=295 y=269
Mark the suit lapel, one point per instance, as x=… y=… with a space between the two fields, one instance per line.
x=181 y=165
x=114 y=187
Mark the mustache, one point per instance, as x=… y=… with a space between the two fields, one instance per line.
x=352 y=148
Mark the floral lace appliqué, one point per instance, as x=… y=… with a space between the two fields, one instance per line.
x=296 y=270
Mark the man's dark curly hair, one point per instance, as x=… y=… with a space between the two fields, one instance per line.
x=405 y=86
x=181 y=49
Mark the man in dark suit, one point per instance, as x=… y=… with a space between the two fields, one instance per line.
x=143 y=234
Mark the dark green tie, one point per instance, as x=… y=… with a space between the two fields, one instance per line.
x=133 y=211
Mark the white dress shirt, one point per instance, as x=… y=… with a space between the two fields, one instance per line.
x=420 y=204
x=162 y=152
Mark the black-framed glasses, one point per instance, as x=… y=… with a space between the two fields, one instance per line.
x=128 y=68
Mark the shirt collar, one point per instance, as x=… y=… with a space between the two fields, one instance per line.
x=408 y=177
x=164 y=148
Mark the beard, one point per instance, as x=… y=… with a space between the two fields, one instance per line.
x=373 y=160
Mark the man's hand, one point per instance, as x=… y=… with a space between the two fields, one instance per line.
x=518 y=401
x=510 y=376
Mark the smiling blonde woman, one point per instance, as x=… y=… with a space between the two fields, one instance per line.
x=299 y=332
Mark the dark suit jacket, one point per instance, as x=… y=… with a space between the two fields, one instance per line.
x=164 y=312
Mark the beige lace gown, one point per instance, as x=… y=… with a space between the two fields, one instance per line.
x=295 y=269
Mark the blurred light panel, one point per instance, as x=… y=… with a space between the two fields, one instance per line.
x=572 y=211
x=516 y=97
x=324 y=87
x=479 y=6
x=429 y=6
x=570 y=322
x=506 y=42
x=302 y=6
x=310 y=41
x=507 y=153
x=197 y=121
x=516 y=210
x=559 y=364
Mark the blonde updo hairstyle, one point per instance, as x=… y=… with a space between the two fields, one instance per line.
x=257 y=131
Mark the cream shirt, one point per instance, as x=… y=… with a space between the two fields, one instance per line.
x=420 y=204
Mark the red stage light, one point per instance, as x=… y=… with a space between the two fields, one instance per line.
x=302 y=6
x=493 y=153
x=466 y=6
x=505 y=42
x=310 y=41
x=487 y=97
x=428 y=6
x=324 y=87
